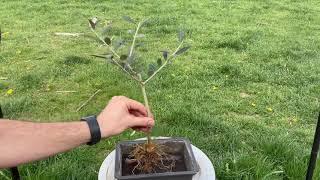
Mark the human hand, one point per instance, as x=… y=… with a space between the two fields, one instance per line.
x=122 y=113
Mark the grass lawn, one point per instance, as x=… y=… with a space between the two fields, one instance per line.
x=247 y=93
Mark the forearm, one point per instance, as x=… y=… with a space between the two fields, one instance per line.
x=22 y=142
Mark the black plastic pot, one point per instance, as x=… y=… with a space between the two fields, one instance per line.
x=181 y=145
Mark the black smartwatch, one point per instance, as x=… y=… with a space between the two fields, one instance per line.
x=94 y=129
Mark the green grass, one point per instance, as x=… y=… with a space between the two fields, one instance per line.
x=267 y=49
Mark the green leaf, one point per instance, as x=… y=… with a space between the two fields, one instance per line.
x=118 y=43
x=109 y=56
x=181 y=36
x=159 y=62
x=122 y=64
x=93 y=22
x=131 y=59
x=123 y=57
x=165 y=54
x=126 y=67
x=107 y=40
x=182 y=50
x=128 y=19
x=106 y=29
x=152 y=69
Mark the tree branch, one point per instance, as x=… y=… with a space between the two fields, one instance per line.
x=110 y=48
x=114 y=61
x=134 y=39
x=164 y=64
x=146 y=103
x=132 y=46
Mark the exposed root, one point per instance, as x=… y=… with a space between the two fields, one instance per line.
x=151 y=157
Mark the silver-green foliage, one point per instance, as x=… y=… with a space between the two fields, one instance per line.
x=126 y=61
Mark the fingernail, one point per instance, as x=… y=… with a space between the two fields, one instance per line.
x=149 y=123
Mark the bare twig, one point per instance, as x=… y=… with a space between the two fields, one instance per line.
x=88 y=100
x=132 y=45
x=66 y=91
x=134 y=39
x=164 y=64
x=68 y=34
x=133 y=77
x=110 y=48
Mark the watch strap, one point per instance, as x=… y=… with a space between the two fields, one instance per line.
x=94 y=129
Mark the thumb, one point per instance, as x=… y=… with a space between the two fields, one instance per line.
x=141 y=121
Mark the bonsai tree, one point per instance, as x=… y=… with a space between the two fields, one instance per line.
x=151 y=155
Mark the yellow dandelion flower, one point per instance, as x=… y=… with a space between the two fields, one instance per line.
x=269 y=109
x=5 y=34
x=10 y=92
x=253 y=104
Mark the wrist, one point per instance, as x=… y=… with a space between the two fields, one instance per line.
x=105 y=133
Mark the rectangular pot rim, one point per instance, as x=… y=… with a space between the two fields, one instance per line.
x=157 y=174
x=193 y=171
x=160 y=139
